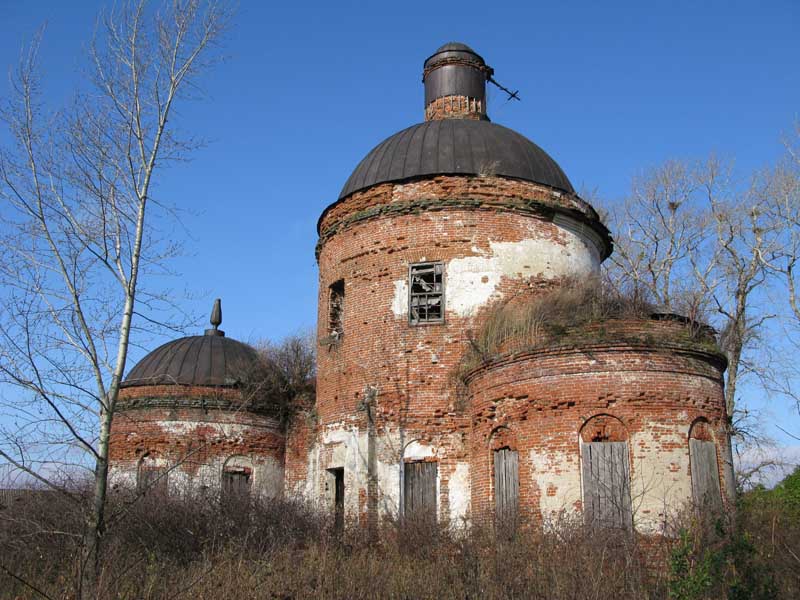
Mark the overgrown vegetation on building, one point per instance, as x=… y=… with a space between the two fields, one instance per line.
x=580 y=312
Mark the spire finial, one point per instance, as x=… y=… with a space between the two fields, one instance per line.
x=216 y=319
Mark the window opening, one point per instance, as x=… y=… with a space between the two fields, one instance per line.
x=419 y=491
x=426 y=293
x=705 y=468
x=336 y=309
x=151 y=479
x=236 y=483
x=336 y=480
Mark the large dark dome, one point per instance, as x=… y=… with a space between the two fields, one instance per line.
x=456 y=147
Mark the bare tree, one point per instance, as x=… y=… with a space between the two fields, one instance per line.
x=694 y=240
x=79 y=238
x=782 y=191
x=285 y=379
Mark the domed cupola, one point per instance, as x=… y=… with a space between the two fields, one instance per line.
x=457 y=137
x=200 y=360
x=192 y=419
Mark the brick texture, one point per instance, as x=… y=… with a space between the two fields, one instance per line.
x=544 y=402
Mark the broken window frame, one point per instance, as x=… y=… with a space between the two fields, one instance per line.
x=438 y=270
x=336 y=299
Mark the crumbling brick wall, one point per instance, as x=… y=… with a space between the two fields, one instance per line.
x=498 y=238
x=553 y=399
x=193 y=431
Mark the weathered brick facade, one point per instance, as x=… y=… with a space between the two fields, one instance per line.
x=193 y=433
x=387 y=391
x=630 y=386
x=495 y=220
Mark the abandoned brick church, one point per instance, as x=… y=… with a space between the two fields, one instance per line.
x=438 y=226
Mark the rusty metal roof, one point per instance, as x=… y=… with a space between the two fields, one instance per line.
x=210 y=359
x=456 y=147
x=195 y=360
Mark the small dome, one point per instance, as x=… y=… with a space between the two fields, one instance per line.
x=210 y=359
x=456 y=147
x=195 y=360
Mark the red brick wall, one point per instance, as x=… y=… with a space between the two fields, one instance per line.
x=455 y=107
x=173 y=425
x=542 y=400
x=482 y=193
x=413 y=367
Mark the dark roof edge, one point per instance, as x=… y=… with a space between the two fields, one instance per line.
x=404 y=180
x=596 y=225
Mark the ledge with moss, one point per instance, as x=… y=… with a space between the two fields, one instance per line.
x=659 y=332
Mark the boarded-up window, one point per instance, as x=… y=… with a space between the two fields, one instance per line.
x=336 y=309
x=236 y=484
x=606 y=484
x=419 y=490
x=151 y=479
x=426 y=293
x=506 y=485
x=705 y=474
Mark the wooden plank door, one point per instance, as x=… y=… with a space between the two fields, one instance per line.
x=705 y=474
x=419 y=490
x=606 y=484
x=506 y=485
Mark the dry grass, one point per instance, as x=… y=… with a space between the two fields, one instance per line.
x=563 y=316
x=173 y=548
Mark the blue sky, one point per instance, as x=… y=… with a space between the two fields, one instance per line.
x=608 y=89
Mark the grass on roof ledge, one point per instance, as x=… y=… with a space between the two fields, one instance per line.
x=579 y=312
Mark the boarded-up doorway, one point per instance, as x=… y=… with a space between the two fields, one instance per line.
x=506 y=487
x=705 y=474
x=419 y=491
x=606 y=484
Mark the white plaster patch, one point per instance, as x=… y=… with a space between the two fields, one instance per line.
x=418 y=451
x=400 y=300
x=472 y=281
x=661 y=483
x=459 y=494
x=556 y=471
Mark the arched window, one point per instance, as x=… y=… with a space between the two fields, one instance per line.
x=237 y=475
x=606 y=473
x=151 y=476
x=705 y=468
